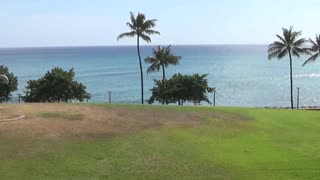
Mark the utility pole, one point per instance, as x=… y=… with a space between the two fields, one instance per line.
x=298 y=98
x=109 y=92
x=214 y=97
x=19 y=95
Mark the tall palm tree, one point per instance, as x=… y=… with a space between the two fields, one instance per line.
x=140 y=28
x=288 y=44
x=162 y=58
x=315 y=49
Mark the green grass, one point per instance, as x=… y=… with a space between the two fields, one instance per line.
x=252 y=144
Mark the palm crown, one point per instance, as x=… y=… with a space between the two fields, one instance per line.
x=162 y=58
x=140 y=27
x=288 y=44
x=315 y=48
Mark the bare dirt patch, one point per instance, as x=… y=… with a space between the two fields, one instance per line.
x=56 y=121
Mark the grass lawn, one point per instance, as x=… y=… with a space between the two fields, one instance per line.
x=63 y=141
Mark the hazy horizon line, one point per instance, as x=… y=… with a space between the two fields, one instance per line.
x=88 y=46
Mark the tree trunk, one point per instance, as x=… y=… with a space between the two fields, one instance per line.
x=163 y=73
x=163 y=78
x=141 y=72
x=291 y=80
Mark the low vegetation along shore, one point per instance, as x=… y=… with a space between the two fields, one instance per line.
x=63 y=141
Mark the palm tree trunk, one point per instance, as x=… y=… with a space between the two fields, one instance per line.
x=141 y=72
x=163 y=73
x=291 y=80
x=163 y=78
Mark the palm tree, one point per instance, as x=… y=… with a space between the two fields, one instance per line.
x=140 y=28
x=162 y=58
x=288 y=44
x=315 y=49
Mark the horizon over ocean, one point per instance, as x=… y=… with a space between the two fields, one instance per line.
x=124 y=45
x=242 y=74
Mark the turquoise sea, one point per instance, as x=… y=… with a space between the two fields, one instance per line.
x=242 y=74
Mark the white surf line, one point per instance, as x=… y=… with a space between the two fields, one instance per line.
x=13 y=119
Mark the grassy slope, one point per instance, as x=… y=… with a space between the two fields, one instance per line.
x=265 y=144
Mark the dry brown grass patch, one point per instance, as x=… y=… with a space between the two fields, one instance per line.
x=54 y=121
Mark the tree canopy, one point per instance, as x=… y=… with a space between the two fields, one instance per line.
x=180 y=89
x=56 y=85
x=7 y=89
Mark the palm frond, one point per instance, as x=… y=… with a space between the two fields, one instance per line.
x=299 y=42
x=128 y=34
x=145 y=37
x=281 y=39
x=153 y=68
x=282 y=54
x=314 y=48
x=311 y=59
x=318 y=40
x=299 y=50
x=168 y=49
x=140 y=19
x=133 y=19
x=314 y=45
x=173 y=60
x=275 y=47
x=151 y=32
x=150 y=60
x=273 y=54
x=295 y=35
x=131 y=26
x=294 y=52
x=149 y=24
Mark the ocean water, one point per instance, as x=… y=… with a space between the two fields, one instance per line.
x=242 y=74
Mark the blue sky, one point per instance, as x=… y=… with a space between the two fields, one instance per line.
x=29 y=23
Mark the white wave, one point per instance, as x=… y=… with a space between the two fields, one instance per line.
x=310 y=75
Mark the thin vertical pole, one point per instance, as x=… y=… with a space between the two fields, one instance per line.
x=298 y=98
x=109 y=92
x=214 y=98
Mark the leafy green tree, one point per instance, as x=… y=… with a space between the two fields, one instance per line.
x=288 y=44
x=159 y=92
x=199 y=89
x=7 y=89
x=56 y=85
x=180 y=89
x=162 y=58
x=315 y=48
x=140 y=28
